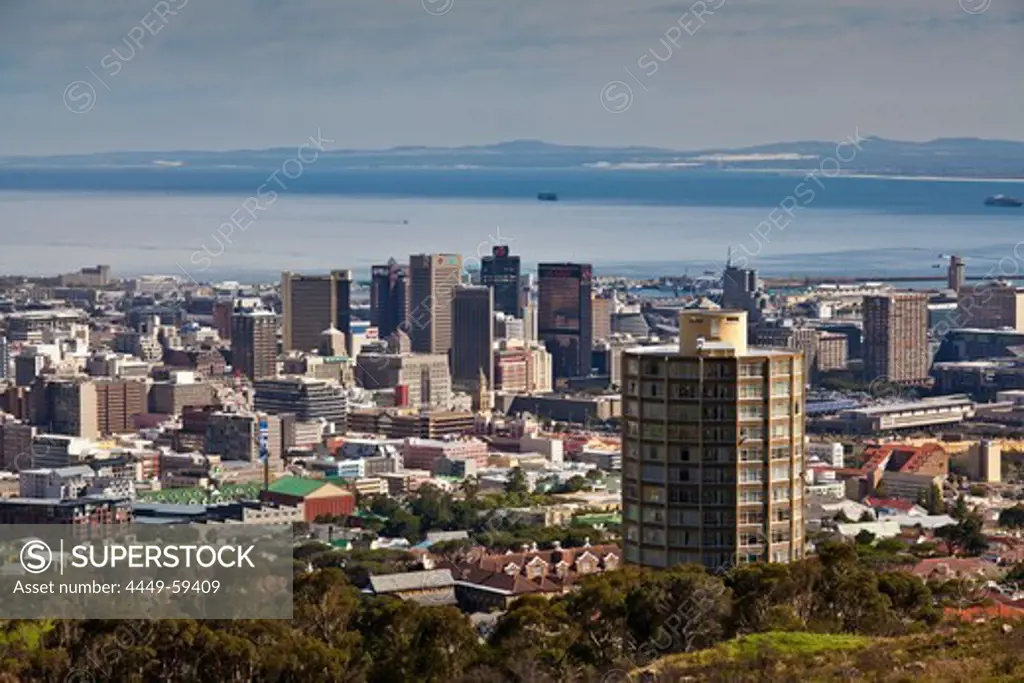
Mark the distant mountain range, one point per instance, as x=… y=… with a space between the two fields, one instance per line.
x=951 y=157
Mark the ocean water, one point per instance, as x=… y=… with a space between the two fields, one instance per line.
x=178 y=221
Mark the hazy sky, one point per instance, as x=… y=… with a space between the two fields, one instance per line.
x=223 y=74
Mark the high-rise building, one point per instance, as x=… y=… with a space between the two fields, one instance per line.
x=713 y=434
x=992 y=306
x=5 y=357
x=254 y=343
x=604 y=307
x=896 y=337
x=472 y=337
x=389 y=301
x=433 y=278
x=564 y=316
x=500 y=272
x=118 y=401
x=422 y=379
x=955 y=274
x=741 y=290
x=312 y=304
x=307 y=399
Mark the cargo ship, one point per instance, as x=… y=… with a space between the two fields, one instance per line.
x=547 y=197
x=1004 y=201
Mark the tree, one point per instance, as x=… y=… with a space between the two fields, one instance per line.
x=960 y=509
x=864 y=537
x=965 y=537
x=518 y=482
x=1012 y=518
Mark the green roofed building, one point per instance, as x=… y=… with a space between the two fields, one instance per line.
x=319 y=498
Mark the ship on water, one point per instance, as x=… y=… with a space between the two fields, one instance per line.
x=1003 y=201
x=547 y=197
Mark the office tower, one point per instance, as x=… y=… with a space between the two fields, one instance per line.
x=423 y=379
x=896 y=337
x=604 y=307
x=389 y=303
x=71 y=408
x=992 y=306
x=307 y=399
x=564 y=316
x=118 y=401
x=506 y=327
x=236 y=436
x=500 y=272
x=433 y=279
x=472 y=337
x=254 y=343
x=955 y=274
x=530 y=320
x=712 y=441
x=741 y=290
x=5 y=357
x=312 y=304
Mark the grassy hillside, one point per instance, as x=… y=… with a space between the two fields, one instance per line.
x=966 y=654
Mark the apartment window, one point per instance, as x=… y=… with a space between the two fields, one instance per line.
x=751 y=518
x=632 y=366
x=751 y=412
x=680 y=474
x=682 y=494
x=751 y=455
x=780 y=452
x=654 y=494
x=682 y=538
x=780 y=388
x=751 y=370
x=747 y=496
x=679 y=454
x=780 y=409
x=632 y=428
x=719 y=391
x=682 y=370
x=751 y=475
x=654 y=411
x=655 y=473
x=752 y=390
x=780 y=494
x=632 y=533
x=654 y=536
x=682 y=432
x=781 y=472
x=651 y=389
x=653 y=431
x=682 y=390
x=781 y=367
x=653 y=368
x=780 y=429
x=719 y=413
x=653 y=515
x=630 y=470
x=654 y=452
x=751 y=432
x=683 y=412
x=632 y=409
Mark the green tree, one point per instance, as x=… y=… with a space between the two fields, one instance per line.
x=1013 y=517
x=518 y=482
x=864 y=537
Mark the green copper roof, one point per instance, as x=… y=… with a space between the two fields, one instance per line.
x=296 y=486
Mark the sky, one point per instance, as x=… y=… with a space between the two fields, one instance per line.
x=105 y=75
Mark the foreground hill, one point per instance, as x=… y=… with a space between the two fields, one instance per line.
x=978 y=653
